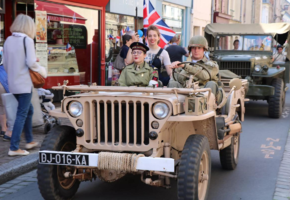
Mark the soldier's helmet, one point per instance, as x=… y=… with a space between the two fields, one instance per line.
x=198 y=41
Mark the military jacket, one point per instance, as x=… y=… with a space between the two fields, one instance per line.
x=202 y=75
x=132 y=77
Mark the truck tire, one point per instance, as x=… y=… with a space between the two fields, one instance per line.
x=51 y=182
x=277 y=100
x=229 y=156
x=194 y=173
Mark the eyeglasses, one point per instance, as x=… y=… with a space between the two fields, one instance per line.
x=137 y=52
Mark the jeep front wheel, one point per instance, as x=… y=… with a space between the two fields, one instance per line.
x=277 y=100
x=51 y=181
x=195 y=169
x=229 y=156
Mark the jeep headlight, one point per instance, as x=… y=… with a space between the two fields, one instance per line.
x=160 y=110
x=257 y=68
x=75 y=108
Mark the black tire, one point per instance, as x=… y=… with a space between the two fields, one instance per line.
x=229 y=156
x=60 y=138
x=47 y=127
x=276 y=101
x=196 y=147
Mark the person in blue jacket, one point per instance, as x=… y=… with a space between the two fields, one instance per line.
x=5 y=132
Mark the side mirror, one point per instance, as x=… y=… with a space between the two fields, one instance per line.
x=235 y=82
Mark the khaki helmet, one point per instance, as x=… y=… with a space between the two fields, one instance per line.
x=198 y=41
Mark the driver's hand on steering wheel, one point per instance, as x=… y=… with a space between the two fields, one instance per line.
x=175 y=65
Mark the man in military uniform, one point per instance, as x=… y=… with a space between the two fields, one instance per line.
x=197 y=46
x=139 y=73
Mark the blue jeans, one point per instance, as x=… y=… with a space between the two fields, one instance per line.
x=23 y=120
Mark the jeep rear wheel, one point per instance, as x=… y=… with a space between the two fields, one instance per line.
x=51 y=181
x=229 y=156
x=195 y=169
x=276 y=102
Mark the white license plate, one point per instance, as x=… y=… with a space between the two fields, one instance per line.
x=63 y=159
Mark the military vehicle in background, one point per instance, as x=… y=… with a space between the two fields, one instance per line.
x=158 y=133
x=246 y=50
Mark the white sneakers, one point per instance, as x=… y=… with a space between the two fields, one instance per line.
x=23 y=152
x=31 y=145
x=16 y=153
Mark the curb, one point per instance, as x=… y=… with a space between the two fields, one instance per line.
x=17 y=167
x=282 y=189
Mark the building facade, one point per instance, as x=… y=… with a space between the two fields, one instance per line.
x=201 y=16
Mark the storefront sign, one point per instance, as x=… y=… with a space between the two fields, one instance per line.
x=66 y=19
x=41 y=54
x=41 y=28
x=126 y=7
x=77 y=36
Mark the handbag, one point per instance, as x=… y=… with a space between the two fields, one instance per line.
x=37 y=80
x=119 y=62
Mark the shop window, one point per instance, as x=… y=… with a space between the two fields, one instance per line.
x=173 y=17
x=114 y=24
x=25 y=7
x=67 y=42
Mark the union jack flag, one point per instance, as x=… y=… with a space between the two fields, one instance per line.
x=150 y=16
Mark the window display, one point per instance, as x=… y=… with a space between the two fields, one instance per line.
x=71 y=36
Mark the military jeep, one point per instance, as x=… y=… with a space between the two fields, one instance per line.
x=246 y=50
x=157 y=133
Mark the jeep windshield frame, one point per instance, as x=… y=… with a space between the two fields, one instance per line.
x=247 y=43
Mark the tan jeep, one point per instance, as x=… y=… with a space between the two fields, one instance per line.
x=158 y=133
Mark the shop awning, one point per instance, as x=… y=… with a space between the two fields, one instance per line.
x=59 y=13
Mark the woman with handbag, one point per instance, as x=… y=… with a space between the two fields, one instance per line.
x=23 y=70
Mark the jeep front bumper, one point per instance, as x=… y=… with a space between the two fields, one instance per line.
x=91 y=160
x=260 y=91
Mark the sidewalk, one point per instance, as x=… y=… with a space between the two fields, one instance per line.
x=11 y=167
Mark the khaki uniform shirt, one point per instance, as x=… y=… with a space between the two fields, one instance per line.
x=202 y=76
x=134 y=75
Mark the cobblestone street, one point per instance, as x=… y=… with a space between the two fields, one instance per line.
x=17 y=183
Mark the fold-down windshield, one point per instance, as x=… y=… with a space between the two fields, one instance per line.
x=244 y=42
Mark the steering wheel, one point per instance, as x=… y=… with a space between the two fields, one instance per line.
x=190 y=63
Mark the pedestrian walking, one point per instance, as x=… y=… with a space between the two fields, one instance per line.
x=19 y=58
x=6 y=132
x=175 y=51
x=156 y=56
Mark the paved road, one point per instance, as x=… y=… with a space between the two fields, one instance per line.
x=262 y=146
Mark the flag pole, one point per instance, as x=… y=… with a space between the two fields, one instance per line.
x=136 y=17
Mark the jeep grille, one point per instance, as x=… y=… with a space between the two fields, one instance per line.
x=117 y=124
x=242 y=69
x=122 y=124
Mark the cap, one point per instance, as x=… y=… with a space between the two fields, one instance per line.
x=139 y=46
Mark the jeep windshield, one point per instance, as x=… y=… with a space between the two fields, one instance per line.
x=244 y=42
